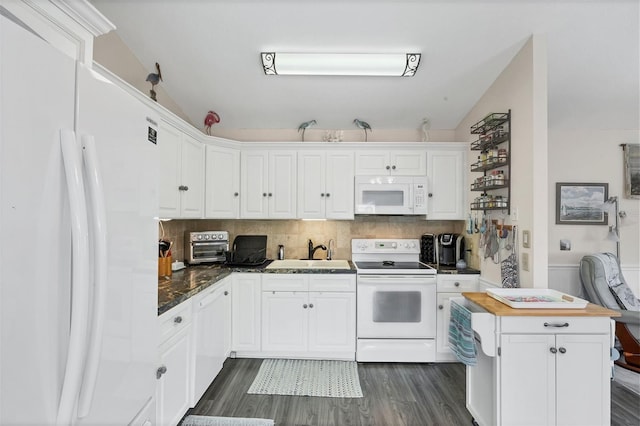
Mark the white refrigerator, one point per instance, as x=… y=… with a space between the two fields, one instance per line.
x=78 y=242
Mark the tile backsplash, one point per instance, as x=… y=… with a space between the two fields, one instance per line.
x=294 y=234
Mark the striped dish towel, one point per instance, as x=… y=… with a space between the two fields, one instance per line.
x=461 y=338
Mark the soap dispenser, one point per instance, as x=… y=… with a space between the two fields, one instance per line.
x=280 y=252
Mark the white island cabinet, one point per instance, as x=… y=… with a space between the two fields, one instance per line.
x=539 y=366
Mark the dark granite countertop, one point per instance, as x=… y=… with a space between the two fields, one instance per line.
x=192 y=280
x=448 y=270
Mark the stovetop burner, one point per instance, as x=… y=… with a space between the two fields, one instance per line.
x=389 y=256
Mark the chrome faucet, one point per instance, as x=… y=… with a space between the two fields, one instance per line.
x=330 y=250
x=313 y=249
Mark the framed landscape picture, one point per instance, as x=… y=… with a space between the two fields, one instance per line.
x=581 y=203
x=632 y=170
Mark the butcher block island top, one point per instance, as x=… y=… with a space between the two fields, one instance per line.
x=498 y=308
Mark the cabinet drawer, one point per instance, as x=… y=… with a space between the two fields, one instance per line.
x=333 y=282
x=174 y=320
x=555 y=325
x=457 y=283
x=285 y=282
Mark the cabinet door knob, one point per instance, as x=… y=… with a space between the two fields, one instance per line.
x=226 y=293
x=440 y=307
x=160 y=371
x=182 y=188
x=430 y=194
x=322 y=194
x=393 y=167
x=562 y=350
x=270 y=194
x=304 y=306
x=328 y=195
x=264 y=194
x=553 y=350
x=457 y=284
x=235 y=194
x=177 y=319
x=388 y=167
x=311 y=305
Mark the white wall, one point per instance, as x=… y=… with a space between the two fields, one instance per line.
x=589 y=155
x=521 y=87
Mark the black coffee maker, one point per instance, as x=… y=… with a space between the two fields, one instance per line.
x=450 y=248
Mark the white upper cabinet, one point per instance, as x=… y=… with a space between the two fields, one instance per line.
x=446 y=175
x=398 y=162
x=267 y=184
x=222 y=186
x=181 y=174
x=325 y=185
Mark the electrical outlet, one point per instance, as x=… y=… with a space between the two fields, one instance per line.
x=525 y=261
x=514 y=214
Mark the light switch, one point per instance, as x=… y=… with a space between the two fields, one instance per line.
x=525 y=261
x=526 y=239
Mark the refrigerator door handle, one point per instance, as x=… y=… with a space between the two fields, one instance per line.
x=76 y=352
x=100 y=257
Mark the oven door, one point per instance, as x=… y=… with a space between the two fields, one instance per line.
x=208 y=252
x=396 y=306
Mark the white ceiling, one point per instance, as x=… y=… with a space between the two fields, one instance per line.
x=209 y=52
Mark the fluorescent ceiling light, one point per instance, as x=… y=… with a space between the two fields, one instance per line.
x=369 y=64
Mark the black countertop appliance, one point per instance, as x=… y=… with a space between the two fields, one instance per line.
x=247 y=250
x=450 y=248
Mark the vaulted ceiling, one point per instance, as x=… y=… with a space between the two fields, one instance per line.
x=210 y=57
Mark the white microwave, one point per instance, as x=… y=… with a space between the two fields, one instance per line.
x=391 y=195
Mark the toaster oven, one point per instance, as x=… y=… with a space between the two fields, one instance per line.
x=205 y=246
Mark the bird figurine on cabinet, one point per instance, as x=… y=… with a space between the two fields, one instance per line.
x=154 y=78
x=426 y=125
x=304 y=126
x=211 y=119
x=364 y=126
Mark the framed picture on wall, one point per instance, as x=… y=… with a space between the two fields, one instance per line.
x=631 y=170
x=581 y=203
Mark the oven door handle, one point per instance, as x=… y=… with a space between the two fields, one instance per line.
x=406 y=279
x=394 y=276
x=199 y=243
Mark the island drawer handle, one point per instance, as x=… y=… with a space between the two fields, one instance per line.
x=547 y=324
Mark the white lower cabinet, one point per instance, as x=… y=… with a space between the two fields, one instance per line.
x=448 y=287
x=554 y=379
x=246 y=313
x=309 y=316
x=540 y=370
x=173 y=390
x=211 y=335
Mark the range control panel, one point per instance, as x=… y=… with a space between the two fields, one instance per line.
x=384 y=245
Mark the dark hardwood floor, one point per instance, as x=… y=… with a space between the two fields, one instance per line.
x=394 y=395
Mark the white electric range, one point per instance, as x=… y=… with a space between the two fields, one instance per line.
x=396 y=301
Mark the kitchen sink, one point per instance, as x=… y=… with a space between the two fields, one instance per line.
x=309 y=264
